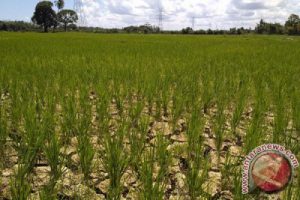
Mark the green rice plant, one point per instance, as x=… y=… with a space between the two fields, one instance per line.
x=85 y=149
x=296 y=111
x=69 y=117
x=165 y=99
x=30 y=147
x=227 y=170
x=37 y=125
x=192 y=91
x=197 y=166
x=197 y=175
x=119 y=98
x=255 y=130
x=102 y=104
x=135 y=112
x=219 y=126
x=207 y=93
x=86 y=154
x=55 y=159
x=298 y=184
x=150 y=190
x=19 y=186
x=178 y=107
x=292 y=191
x=281 y=113
x=52 y=152
x=289 y=193
x=239 y=106
x=237 y=183
x=194 y=131
x=3 y=132
x=16 y=104
x=220 y=118
x=51 y=149
x=162 y=158
x=115 y=160
x=158 y=103
x=153 y=169
x=149 y=91
x=137 y=140
x=33 y=138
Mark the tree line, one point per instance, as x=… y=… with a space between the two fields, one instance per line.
x=46 y=17
x=291 y=26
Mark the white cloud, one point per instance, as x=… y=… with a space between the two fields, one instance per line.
x=179 y=13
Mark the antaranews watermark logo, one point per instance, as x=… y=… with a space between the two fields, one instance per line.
x=268 y=167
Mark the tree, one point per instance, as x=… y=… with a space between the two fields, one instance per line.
x=292 y=24
x=44 y=15
x=187 y=30
x=293 y=20
x=261 y=27
x=240 y=31
x=60 y=4
x=66 y=17
x=269 y=28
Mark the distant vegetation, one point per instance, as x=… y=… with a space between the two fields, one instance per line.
x=46 y=17
x=17 y=26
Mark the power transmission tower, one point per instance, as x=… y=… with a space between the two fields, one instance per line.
x=160 y=17
x=193 y=22
x=78 y=7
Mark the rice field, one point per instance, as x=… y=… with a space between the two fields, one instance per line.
x=99 y=116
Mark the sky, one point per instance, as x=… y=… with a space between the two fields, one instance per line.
x=177 y=14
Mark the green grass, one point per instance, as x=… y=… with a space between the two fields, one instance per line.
x=53 y=85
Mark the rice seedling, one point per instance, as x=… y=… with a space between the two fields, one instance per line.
x=281 y=113
x=197 y=166
x=137 y=140
x=69 y=118
x=55 y=159
x=85 y=149
x=239 y=106
x=296 y=111
x=115 y=160
x=207 y=93
x=51 y=149
x=162 y=158
x=31 y=143
x=153 y=170
x=135 y=112
x=178 y=102
x=220 y=118
x=102 y=104
x=237 y=182
x=20 y=187
x=150 y=190
x=86 y=155
x=3 y=132
x=255 y=130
